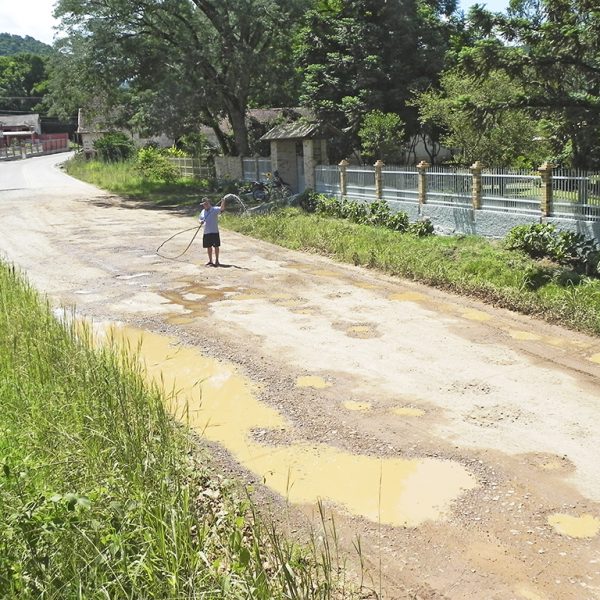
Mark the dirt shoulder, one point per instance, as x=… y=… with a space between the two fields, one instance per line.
x=482 y=422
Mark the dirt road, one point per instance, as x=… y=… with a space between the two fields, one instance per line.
x=460 y=442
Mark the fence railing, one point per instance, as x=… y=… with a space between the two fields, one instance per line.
x=255 y=169
x=192 y=167
x=548 y=192
x=29 y=148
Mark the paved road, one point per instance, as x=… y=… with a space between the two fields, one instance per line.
x=459 y=441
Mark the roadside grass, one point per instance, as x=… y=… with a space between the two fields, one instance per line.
x=468 y=265
x=103 y=496
x=122 y=178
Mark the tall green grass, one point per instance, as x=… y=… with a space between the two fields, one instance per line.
x=468 y=265
x=102 y=496
x=123 y=178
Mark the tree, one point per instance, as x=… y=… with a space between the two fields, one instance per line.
x=22 y=82
x=501 y=138
x=550 y=49
x=364 y=55
x=382 y=137
x=175 y=62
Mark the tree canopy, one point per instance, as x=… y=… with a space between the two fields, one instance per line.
x=176 y=62
x=501 y=138
x=550 y=49
x=364 y=55
x=22 y=82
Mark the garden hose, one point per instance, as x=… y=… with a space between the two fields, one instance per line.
x=175 y=235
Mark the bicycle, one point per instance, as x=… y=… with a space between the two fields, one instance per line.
x=273 y=190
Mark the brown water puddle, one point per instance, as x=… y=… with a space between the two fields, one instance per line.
x=476 y=315
x=362 y=332
x=215 y=400
x=196 y=298
x=585 y=526
x=408 y=297
x=523 y=335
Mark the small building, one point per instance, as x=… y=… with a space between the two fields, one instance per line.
x=17 y=128
x=296 y=149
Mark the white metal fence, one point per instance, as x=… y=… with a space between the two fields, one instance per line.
x=328 y=180
x=400 y=184
x=575 y=195
x=255 y=169
x=448 y=187
x=511 y=191
x=360 y=183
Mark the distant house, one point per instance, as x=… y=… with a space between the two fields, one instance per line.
x=19 y=123
x=23 y=134
x=14 y=128
x=90 y=129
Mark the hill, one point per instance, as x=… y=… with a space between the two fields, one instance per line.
x=15 y=44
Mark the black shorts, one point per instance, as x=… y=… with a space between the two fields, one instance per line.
x=211 y=239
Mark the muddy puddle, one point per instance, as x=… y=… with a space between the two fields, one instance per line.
x=214 y=399
x=584 y=526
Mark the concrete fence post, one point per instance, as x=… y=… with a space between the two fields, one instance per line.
x=378 y=179
x=422 y=170
x=476 y=169
x=545 y=172
x=343 y=177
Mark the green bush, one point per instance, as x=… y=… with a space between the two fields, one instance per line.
x=543 y=240
x=376 y=213
x=420 y=228
x=308 y=200
x=174 y=152
x=114 y=147
x=154 y=165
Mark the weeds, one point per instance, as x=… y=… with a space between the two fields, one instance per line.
x=102 y=496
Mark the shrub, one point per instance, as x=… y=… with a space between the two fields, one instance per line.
x=174 y=152
x=308 y=200
x=377 y=213
x=564 y=247
x=420 y=228
x=154 y=165
x=531 y=239
x=115 y=146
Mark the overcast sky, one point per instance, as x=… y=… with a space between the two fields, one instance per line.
x=34 y=17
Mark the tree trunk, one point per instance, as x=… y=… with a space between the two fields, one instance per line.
x=237 y=118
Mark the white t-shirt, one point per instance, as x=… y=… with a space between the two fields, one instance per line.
x=210 y=220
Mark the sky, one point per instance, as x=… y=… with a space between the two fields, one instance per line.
x=34 y=17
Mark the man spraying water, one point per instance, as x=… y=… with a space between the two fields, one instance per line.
x=209 y=217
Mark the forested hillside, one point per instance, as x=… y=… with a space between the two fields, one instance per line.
x=15 y=44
